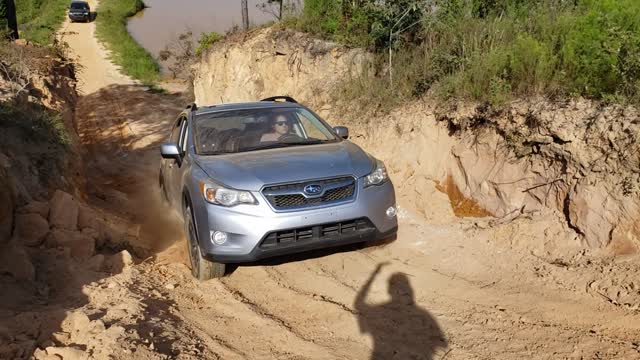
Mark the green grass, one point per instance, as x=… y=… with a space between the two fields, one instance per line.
x=111 y=28
x=487 y=50
x=38 y=20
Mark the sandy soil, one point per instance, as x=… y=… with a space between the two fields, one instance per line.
x=446 y=288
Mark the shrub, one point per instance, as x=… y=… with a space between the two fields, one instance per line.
x=206 y=41
x=601 y=51
x=487 y=50
x=365 y=23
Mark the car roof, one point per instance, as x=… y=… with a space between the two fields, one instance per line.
x=245 y=106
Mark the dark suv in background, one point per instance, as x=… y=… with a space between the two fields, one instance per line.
x=79 y=11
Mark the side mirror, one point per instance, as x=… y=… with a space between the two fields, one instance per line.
x=342 y=131
x=170 y=151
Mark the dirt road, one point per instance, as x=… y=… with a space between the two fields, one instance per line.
x=445 y=288
x=97 y=71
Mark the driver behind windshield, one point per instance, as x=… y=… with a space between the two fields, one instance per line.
x=280 y=126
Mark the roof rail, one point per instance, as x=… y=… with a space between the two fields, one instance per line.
x=192 y=107
x=285 y=98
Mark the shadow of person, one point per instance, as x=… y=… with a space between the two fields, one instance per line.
x=399 y=328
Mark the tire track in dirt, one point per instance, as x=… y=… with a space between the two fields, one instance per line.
x=218 y=346
x=229 y=317
x=331 y=341
x=479 y=295
x=279 y=279
x=284 y=337
x=263 y=312
x=501 y=325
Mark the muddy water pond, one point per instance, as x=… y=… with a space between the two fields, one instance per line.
x=163 y=20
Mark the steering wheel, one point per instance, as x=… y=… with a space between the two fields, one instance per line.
x=289 y=138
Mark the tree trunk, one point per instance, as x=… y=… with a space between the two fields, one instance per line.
x=245 y=15
x=11 y=18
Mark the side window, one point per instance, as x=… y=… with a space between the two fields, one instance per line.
x=175 y=132
x=183 y=135
x=183 y=142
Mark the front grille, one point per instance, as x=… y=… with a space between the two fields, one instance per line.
x=293 y=196
x=319 y=232
x=281 y=201
x=339 y=193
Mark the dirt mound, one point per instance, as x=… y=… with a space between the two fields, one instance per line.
x=274 y=62
x=47 y=259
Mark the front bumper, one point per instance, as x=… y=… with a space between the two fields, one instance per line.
x=78 y=17
x=259 y=253
x=249 y=226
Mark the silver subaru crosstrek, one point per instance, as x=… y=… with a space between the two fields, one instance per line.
x=268 y=178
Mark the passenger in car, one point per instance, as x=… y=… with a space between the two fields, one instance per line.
x=280 y=126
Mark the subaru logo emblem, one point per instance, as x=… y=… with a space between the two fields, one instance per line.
x=313 y=189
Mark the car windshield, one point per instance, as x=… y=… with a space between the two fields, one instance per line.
x=257 y=129
x=78 y=6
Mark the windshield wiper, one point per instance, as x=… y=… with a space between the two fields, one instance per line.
x=218 y=152
x=284 y=144
x=308 y=142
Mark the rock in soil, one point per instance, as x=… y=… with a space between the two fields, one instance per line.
x=81 y=245
x=35 y=207
x=63 y=212
x=30 y=229
x=15 y=261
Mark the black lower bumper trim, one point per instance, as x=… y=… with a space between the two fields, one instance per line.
x=259 y=253
x=78 y=17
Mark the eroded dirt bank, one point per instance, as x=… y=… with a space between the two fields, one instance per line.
x=578 y=158
x=447 y=287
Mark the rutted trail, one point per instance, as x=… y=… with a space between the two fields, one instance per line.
x=487 y=299
x=97 y=71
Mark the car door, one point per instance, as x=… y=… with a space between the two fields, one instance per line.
x=172 y=166
x=181 y=166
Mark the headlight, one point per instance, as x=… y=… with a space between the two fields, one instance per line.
x=219 y=195
x=378 y=176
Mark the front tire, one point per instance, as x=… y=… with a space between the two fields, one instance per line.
x=201 y=268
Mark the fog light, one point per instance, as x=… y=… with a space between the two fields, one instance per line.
x=391 y=211
x=218 y=237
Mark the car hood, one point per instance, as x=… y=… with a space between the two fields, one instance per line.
x=252 y=170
